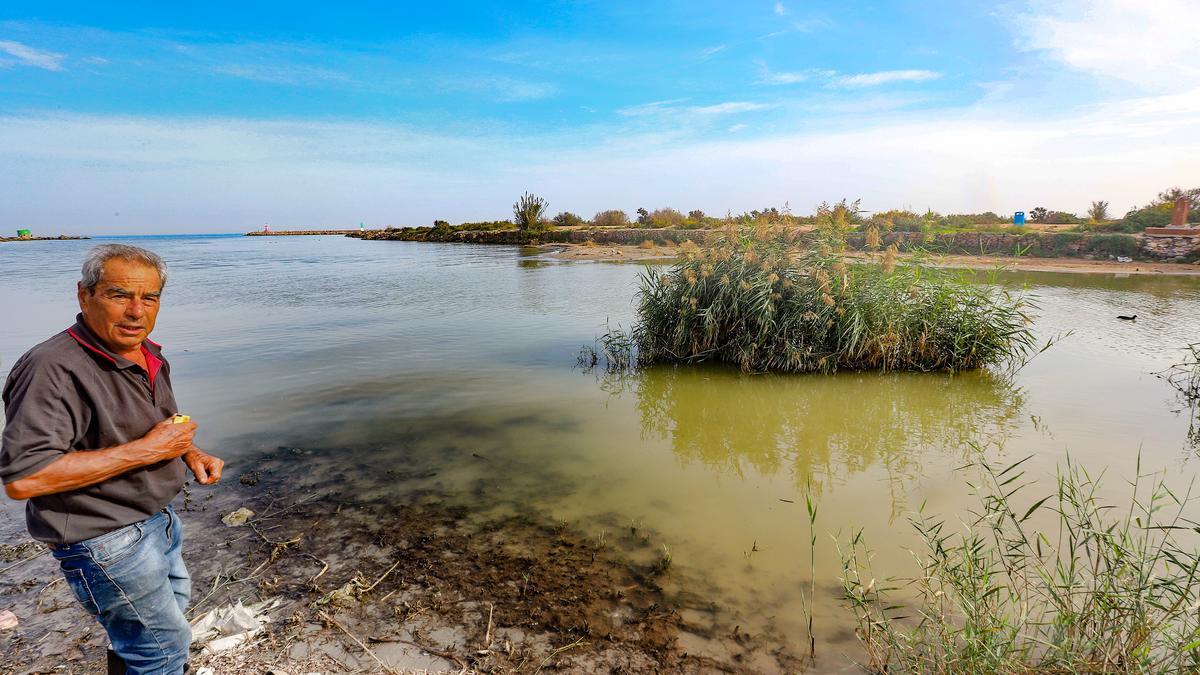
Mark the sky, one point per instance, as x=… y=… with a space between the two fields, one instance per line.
x=139 y=118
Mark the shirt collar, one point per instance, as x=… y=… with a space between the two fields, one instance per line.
x=88 y=340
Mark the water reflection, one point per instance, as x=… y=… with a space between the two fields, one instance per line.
x=819 y=430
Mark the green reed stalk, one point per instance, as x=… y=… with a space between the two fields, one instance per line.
x=1105 y=593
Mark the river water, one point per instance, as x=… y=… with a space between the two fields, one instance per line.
x=462 y=358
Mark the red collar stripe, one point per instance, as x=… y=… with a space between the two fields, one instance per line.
x=153 y=364
x=88 y=346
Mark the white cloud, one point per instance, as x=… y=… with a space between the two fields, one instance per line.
x=652 y=108
x=767 y=76
x=729 y=108
x=236 y=174
x=783 y=78
x=780 y=10
x=672 y=108
x=886 y=77
x=1150 y=43
x=281 y=73
x=711 y=51
x=734 y=128
x=29 y=56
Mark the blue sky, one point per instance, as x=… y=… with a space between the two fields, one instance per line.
x=220 y=117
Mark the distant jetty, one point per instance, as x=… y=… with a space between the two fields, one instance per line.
x=298 y=233
x=61 y=237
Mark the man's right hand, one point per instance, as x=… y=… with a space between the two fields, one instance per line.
x=168 y=440
x=74 y=470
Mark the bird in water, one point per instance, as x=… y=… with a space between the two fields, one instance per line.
x=1127 y=318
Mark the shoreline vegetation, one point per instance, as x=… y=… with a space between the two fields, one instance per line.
x=1022 y=244
x=61 y=237
x=1138 y=236
x=766 y=301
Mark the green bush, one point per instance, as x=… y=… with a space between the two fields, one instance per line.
x=567 y=219
x=486 y=226
x=611 y=218
x=752 y=300
x=666 y=217
x=1112 y=245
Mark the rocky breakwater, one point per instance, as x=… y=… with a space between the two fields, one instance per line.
x=627 y=236
x=61 y=237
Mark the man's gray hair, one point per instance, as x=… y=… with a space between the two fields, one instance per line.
x=93 y=263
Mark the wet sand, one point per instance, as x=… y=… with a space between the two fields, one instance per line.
x=667 y=254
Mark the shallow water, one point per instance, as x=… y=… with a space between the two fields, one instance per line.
x=460 y=358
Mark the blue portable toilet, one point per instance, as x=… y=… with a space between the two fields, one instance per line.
x=1019 y=218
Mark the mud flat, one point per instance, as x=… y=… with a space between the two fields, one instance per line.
x=368 y=581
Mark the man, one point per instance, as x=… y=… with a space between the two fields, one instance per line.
x=91 y=444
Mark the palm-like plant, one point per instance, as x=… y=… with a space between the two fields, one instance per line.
x=529 y=210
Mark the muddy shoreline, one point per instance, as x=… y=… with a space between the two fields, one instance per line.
x=421 y=582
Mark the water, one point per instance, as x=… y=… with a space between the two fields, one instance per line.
x=437 y=354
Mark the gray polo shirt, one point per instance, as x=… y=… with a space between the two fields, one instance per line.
x=71 y=394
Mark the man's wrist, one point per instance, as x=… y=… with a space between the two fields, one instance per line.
x=134 y=454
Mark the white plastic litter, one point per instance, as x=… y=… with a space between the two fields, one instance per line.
x=8 y=620
x=204 y=670
x=238 y=517
x=230 y=626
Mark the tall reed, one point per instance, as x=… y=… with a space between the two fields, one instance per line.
x=1106 y=591
x=756 y=300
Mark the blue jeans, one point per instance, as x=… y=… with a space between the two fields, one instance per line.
x=134 y=582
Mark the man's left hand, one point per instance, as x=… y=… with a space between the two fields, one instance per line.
x=206 y=467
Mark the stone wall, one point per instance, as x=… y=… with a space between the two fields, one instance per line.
x=1101 y=246
x=1171 y=249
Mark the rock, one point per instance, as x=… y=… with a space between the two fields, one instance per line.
x=8 y=620
x=238 y=518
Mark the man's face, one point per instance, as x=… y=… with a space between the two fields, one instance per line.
x=121 y=309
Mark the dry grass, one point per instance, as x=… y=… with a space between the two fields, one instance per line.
x=647 y=244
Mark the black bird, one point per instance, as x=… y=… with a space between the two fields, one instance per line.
x=1127 y=318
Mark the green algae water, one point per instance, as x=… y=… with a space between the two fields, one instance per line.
x=459 y=361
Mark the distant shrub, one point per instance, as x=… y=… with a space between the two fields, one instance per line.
x=909 y=224
x=486 y=226
x=567 y=219
x=665 y=217
x=968 y=220
x=1043 y=215
x=611 y=218
x=646 y=244
x=1112 y=245
x=1098 y=212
